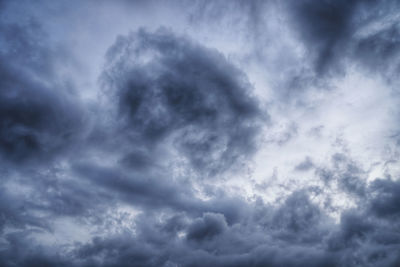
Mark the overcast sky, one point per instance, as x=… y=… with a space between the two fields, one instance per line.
x=200 y=133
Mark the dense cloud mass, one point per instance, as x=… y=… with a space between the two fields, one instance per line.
x=37 y=114
x=360 y=31
x=199 y=133
x=169 y=86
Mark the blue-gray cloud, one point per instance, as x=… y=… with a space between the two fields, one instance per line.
x=170 y=86
x=142 y=171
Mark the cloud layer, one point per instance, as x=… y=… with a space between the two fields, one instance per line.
x=200 y=134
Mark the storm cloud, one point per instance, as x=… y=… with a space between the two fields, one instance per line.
x=38 y=116
x=199 y=133
x=170 y=87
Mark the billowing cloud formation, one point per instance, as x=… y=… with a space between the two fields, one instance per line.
x=168 y=86
x=37 y=115
x=199 y=137
x=334 y=31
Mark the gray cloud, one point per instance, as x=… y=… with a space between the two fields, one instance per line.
x=157 y=164
x=38 y=116
x=335 y=32
x=168 y=86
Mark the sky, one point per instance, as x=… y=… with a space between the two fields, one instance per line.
x=200 y=133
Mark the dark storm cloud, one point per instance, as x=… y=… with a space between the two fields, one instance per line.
x=363 y=239
x=296 y=234
x=165 y=90
x=381 y=50
x=386 y=200
x=21 y=252
x=14 y=212
x=37 y=112
x=39 y=119
x=170 y=87
x=207 y=227
x=37 y=116
x=209 y=240
x=137 y=189
x=157 y=192
x=298 y=217
x=331 y=32
x=324 y=26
